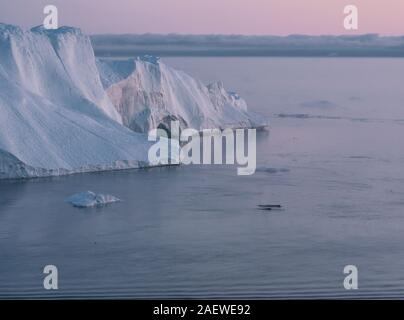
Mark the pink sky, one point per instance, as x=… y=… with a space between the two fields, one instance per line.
x=278 y=17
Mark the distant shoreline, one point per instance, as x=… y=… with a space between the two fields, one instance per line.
x=101 y=53
x=173 y=45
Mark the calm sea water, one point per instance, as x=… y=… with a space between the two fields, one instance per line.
x=334 y=160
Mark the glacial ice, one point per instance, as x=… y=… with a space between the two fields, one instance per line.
x=59 y=116
x=90 y=199
x=55 y=116
x=154 y=94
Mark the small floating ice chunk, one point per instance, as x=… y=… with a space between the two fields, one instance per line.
x=90 y=199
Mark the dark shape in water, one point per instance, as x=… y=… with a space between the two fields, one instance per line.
x=265 y=209
x=269 y=207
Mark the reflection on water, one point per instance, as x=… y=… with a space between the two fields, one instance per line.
x=196 y=231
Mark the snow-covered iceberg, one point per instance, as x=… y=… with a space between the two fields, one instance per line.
x=90 y=199
x=55 y=116
x=63 y=112
x=149 y=94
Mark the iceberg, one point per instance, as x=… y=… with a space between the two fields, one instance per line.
x=149 y=94
x=62 y=111
x=55 y=116
x=90 y=199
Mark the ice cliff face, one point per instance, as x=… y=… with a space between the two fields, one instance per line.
x=55 y=117
x=149 y=94
x=59 y=116
x=55 y=64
